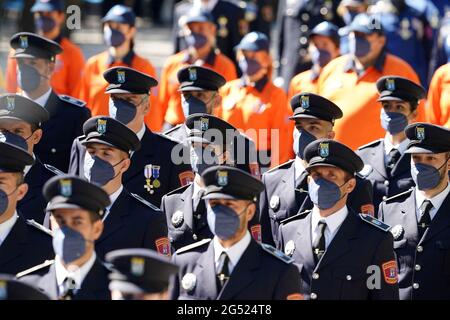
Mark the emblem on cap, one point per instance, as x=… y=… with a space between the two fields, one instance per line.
x=10 y=103
x=189 y=281
x=222 y=178
x=24 y=42
x=304 y=102
x=204 y=124
x=192 y=74
x=397 y=231
x=65 y=187
x=120 y=76
x=289 y=248
x=137 y=266
x=274 y=202
x=390 y=84
x=324 y=149
x=101 y=126
x=177 y=218
x=420 y=133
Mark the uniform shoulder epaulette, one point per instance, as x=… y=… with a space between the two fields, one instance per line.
x=276 y=253
x=145 y=202
x=43 y=265
x=178 y=190
x=399 y=195
x=370 y=144
x=54 y=170
x=300 y=215
x=171 y=130
x=73 y=100
x=193 y=245
x=374 y=222
x=168 y=138
x=365 y=172
x=39 y=226
x=281 y=166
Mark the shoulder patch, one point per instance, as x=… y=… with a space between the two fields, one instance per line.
x=276 y=253
x=375 y=222
x=298 y=216
x=35 y=268
x=193 y=245
x=54 y=170
x=39 y=226
x=145 y=202
x=399 y=195
x=370 y=144
x=73 y=100
x=178 y=190
x=281 y=166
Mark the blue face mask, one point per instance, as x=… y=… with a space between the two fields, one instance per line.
x=249 y=66
x=28 y=78
x=320 y=57
x=301 y=140
x=113 y=38
x=196 y=40
x=122 y=110
x=44 y=24
x=223 y=221
x=426 y=177
x=68 y=244
x=323 y=193
x=202 y=159
x=192 y=105
x=393 y=122
x=97 y=170
x=358 y=46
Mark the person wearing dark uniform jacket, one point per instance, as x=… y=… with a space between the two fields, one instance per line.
x=233 y=266
x=420 y=217
x=23 y=243
x=12 y=289
x=35 y=57
x=212 y=142
x=286 y=192
x=140 y=274
x=340 y=255
x=24 y=117
x=199 y=88
x=152 y=172
x=387 y=164
x=76 y=273
x=130 y=221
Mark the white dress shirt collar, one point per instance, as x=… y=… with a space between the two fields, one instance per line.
x=234 y=252
x=79 y=274
x=388 y=146
x=140 y=133
x=197 y=189
x=42 y=100
x=6 y=227
x=436 y=201
x=333 y=221
x=299 y=168
x=112 y=197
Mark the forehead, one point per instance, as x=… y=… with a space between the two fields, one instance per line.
x=308 y=121
x=70 y=213
x=13 y=123
x=323 y=169
x=103 y=147
x=7 y=176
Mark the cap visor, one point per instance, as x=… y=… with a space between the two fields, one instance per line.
x=23 y=55
x=420 y=150
x=219 y=195
x=303 y=116
x=63 y=205
x=192 y=88
x=118 y=90
x=389 y=98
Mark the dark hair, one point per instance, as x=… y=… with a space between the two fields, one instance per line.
x=94 y=217
x=20 y=178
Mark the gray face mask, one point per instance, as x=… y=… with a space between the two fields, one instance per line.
x=323 y=193
x=68 y=244
x=223 y=221
x=4 y=200
x=426 y=177
x=97 y=170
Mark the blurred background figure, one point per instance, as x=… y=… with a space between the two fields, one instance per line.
x=348 y=9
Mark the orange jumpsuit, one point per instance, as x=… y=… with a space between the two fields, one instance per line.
x=305 y=81
x=438 y=108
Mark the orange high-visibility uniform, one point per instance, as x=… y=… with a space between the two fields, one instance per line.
x=438 y=108
x=305 y=81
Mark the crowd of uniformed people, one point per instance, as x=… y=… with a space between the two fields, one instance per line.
x=319 y=172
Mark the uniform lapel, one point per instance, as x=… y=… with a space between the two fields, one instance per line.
x=47 y=283
x=377 y=156
x=402 y=165
x=118 y=211
x=14 y=242
x=188 y=210
x=440 y=221
x=287 y=188
x=52 y=104
x=303 y=244
x=206 y=273
x=93 y=285
x=409 y=221
x=33 y=179
x=141 y=157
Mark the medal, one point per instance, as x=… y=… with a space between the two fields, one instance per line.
x=148 y=175
x=155 y=173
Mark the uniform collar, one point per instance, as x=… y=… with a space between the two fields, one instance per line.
x=42 y=100
x=388 y=146
x=258 y=85
x=127 y=59
x=6 y=227
x=333 y=221
x=27 y=168
x=112 y=197
x=197 y=189
x=78 y=275
x=436 y=201
x=140 y=133
x=299 y=168
x=235 y=252
x=379 y=62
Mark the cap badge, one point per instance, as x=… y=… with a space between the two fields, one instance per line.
x=222 y=178
x=204 y=124
x=324 y=149
x=192 y=74
x=24 y=42
x=390 y=84
x=304 y=102
x=101 y=126
x=420 y=133
x=65 y=187
x=10 y=103
x=137 y=266
x=121 y=76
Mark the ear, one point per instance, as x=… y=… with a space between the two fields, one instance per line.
x=36 y=136
x=413 y=116
x=350 y=186
x=51 y=67
x=22 y=191
x=331 y=134
x=251 y=210
x=125 y=165
x=97 y=229
x=132 y=32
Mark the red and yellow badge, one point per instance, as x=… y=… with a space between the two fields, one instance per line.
x=295 y=296
x=186 y=177
x=368 y=209
x=163 y=246
x=254 y=170
x=390 y=272
x=256 y=232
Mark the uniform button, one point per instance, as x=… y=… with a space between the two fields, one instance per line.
x=198 y=216
x=324 y=11
x=417 y=267
x=315 y=276
x=313 y=296
x=289 y=12
x=348 y=277
x=305 y=17
x=416 y=286
x=304 y=28
x=384 y=198
x=419 y=249
x=53 y=150
x=303 y=40
x=194 y=236
x=386 y=183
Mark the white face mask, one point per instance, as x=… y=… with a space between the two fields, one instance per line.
x=87 y=165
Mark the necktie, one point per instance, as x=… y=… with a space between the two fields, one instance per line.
x=425 y=218
x=223 y=272
x=69 y=288
x=319 y=243
x=393 y=157
x=199 y=203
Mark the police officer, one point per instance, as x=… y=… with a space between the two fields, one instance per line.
x=23 y=243
x=259 y=15
x=152 y=172
x=419 y=217
x=35 y=57
x=387 y=164
x=140 y=274
x=295 y=20
x=233 y=266
x=286 y=192
x=199 y=88
x=130 y=221
x=185 y=210
x=12 y=289
x=332 y=246
x=76 y=207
